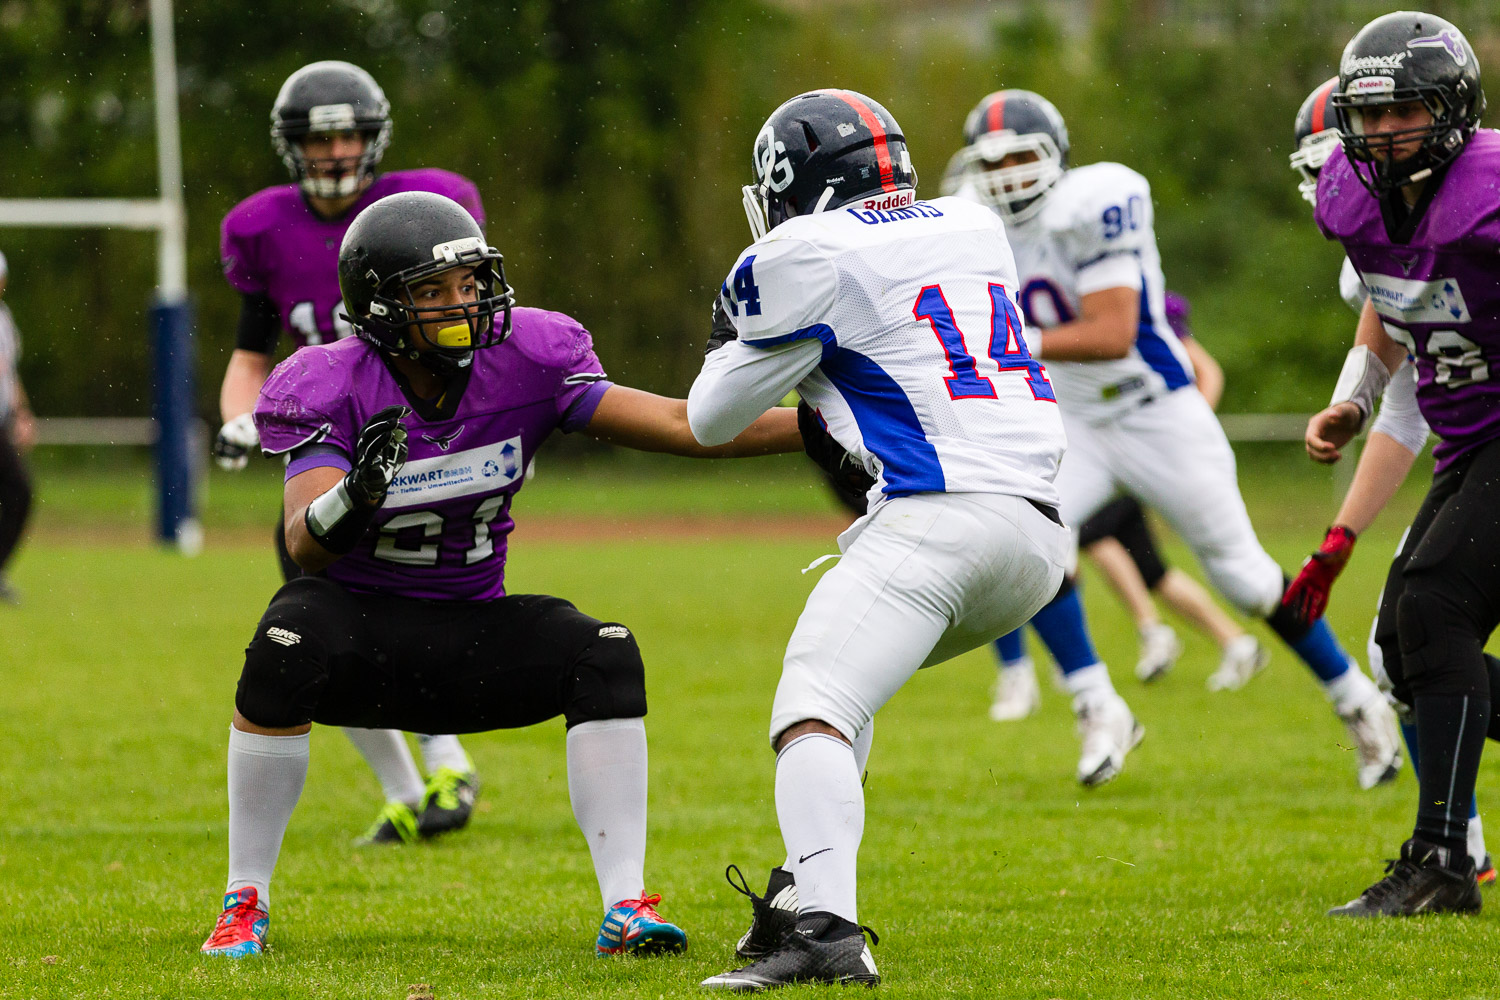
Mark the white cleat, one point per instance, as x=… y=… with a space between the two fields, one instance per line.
x=1160 y=649
x=1372 y=725
x=1016 y=693
x=1243 y=659
x=1108 y=731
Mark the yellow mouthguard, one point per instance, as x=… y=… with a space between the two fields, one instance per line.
x=453 y=336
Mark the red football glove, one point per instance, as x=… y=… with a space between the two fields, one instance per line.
x=1307 y=596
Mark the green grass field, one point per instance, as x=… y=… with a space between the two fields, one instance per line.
x=1204 y=871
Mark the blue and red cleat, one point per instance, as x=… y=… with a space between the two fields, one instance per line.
x=242 y=927
x=633 y=927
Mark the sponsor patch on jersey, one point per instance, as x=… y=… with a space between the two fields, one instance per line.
x=442 y=477
x=1437 y=300
x=614 y=632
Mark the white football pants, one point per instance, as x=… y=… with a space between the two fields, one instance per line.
x=1172 y=455
x=922 y=579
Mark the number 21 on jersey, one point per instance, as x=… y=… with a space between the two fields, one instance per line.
x=1007 y=345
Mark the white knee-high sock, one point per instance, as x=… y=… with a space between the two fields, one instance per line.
x=607 y=786
x=386 y=752
x=821 y=808
x=265 y=779
x=861 y=747
x=443 y=751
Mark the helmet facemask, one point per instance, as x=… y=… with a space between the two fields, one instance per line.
x=1016 y=191
x=1373 y=155
x=399 y=325
x=1309 y=158
x=344 y=176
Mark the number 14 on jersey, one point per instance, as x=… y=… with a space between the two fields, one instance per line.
x=1007 y=345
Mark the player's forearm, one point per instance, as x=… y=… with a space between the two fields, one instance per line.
x=1104 y=330
x=303 y=491
x=647 y=422
x=1371 y=333
x=1383 y=466
x=302 y=547
x=1206 y=371
x=1098 y=339
x=246 y=373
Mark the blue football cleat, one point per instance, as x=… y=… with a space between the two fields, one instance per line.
x=633 y=927
x=242 y=927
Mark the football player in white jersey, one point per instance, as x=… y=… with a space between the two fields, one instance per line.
x=1397 y=437
x=896 y=321
x=1092 y=284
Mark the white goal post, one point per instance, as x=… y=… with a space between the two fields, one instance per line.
x=173 y=362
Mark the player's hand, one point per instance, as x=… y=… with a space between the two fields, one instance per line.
x=236 y=438
x=1330 y=430
x=723 y=331
x=1307 y=596
x=849 y=478
x=378 y=456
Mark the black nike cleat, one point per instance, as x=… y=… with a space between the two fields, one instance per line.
x=1420 y=881
x=772 y=916
x=822 y=948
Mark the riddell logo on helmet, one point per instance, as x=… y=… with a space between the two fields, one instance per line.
x=899 y=199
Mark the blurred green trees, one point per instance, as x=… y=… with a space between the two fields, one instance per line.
x=609 y=139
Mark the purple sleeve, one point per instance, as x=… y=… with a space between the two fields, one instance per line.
x=583 y=382
x=237 y=254
x=296 y=409
x=316 y=456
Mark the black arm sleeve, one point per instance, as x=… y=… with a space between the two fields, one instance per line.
x=260 y=325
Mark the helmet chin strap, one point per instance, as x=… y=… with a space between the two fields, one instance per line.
x=823 y=201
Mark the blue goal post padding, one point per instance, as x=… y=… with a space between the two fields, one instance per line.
x=174 y=368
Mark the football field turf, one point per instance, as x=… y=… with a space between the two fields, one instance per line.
x=1203 y=871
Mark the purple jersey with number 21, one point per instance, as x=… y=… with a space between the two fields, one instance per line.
x=272 y=244
x=1438 y=293
x=441 y=533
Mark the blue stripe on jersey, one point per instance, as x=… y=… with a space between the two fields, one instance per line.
x=1154 y=350
x=819 y=331
x=887 y=423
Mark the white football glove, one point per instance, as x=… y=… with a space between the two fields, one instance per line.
x=236 y=438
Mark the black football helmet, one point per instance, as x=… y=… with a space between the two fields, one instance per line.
x=402 y=240
x=822 y=150
x=1007 y=122
x=331 y=96
x=1316 y=133
x=1407 y=56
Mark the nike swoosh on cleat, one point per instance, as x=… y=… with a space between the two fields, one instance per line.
x=803 y=860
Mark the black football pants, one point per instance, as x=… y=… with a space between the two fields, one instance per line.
x=1441 y=603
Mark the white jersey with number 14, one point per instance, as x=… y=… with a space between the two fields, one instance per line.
x=901 y=327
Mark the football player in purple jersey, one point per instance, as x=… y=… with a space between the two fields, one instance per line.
x=404 y=448
x=330 y=125
x=1396 y=437
x=1413 y=194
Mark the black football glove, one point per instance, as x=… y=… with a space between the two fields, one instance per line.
x=378 y=456
x=338 y=519
x=846 y=475
x=723 y=331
